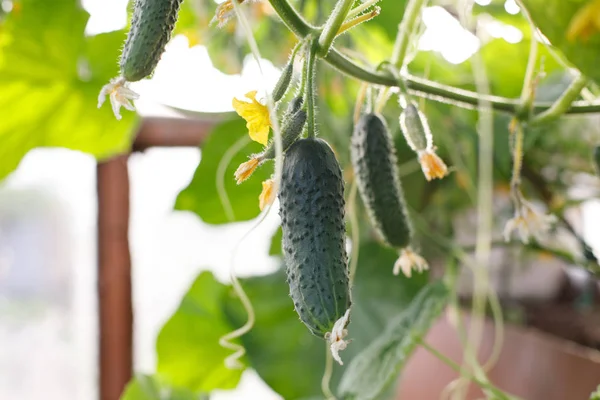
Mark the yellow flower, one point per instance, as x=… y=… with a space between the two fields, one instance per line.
x=585 y=22
x=267 y=196
x=256 y=116
x=245 y=170
x=408 y=261
x=432 y=165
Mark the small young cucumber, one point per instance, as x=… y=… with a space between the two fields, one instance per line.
x=375 y=167
x=293 y=125
x=151 y=27
x=312 y=219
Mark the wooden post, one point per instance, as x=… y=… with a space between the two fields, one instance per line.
x=114 y=279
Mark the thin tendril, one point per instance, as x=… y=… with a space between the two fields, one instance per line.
x=222 y=169
x=225 y=341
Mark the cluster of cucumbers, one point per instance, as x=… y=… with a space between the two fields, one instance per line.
x=311 y=191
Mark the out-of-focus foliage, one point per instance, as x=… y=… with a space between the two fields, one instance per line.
x=203 y=195
x=146 y=387
x=50 y=75
x=554 y=19
x=378 y=364
x=186 y=350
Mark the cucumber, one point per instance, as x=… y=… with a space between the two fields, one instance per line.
x=284 y=81
x=375 y=167
x=415 y=128
x=151 y=26
x=374 y=159
x=312 y=220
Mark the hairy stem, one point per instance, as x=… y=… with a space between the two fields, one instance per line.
x=418 y=86
x=562 y=104
x=333 y=24
x=310 y=61
x=405 y=31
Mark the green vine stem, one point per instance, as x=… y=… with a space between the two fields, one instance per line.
x=562 y=104
x=333 y=24
x=310 y=65
x=407 y=27
x=418 y=86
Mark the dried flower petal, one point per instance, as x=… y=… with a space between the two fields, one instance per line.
x=528 y=223
x=337 y=335
x=257 y=117
x=267 y=196
x=432 y=165
x=246 y=169
x=408 y=261
x=120 y=96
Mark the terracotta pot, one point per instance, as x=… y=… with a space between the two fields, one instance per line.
x=532 y=365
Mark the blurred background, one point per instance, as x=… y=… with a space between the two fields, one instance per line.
x=48 y=203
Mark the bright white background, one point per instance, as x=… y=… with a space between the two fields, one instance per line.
x=48 y=221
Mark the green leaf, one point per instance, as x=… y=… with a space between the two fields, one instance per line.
x=553 y=19
x=148 y=387
x=201 y=196
x=281 y=349
x=188 y=350
x=50 y=77
x=379 y=364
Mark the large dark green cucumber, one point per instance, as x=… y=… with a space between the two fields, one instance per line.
x=312 y=219
x=151 y=26
x=375 y=167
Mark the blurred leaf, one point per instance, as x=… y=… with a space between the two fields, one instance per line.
x=281 y=349
x=188 y=350
x=201 y=195
x=553 y=19
x=148 y=387
x=378 y=365
x=50 y=77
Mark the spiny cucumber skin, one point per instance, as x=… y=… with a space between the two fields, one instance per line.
x=290 y=131
x=375 y=167
x=312 y=219
x=151 y=26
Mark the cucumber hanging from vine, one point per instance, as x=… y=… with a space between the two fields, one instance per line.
x=312 y=219
x=375 y=167
x=152 y=24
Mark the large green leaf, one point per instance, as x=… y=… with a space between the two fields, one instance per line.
x=202 y=196
x=50 y=77
x=188 y=350
x=147 y=387
x=553 y=19
x=379 y=363
x=281 y=349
